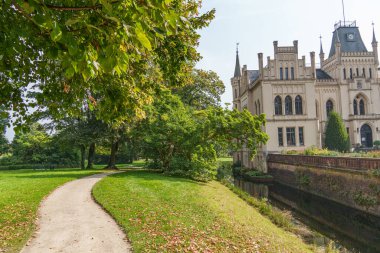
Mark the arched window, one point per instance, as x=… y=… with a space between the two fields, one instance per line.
x=329 y=107
x=236 y=93
x=344 y=74
x=363 y=72
x=298 y=104
x=259 y=106
x=355 y=107
x=361 y=107
x=256 y=108
x=278 y=106
x=350 y=73
x=288 y=106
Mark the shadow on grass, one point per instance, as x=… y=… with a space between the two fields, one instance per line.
x=58 y=174
x=153 y=175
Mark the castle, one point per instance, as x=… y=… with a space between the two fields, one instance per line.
x=297 y=98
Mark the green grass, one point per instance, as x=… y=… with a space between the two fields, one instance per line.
x=21 y=192
x=168 y=214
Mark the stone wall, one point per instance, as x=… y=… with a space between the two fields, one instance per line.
x=354 y=182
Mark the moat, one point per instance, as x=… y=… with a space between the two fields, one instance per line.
x=351 y=230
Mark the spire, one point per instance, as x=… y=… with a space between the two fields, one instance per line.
x=373 y=36
x=237 y=64
x=320 y=40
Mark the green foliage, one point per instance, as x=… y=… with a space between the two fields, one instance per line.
x=376 y=144
x=365 y=200
x=202 y=90
x=336 y=135
x=4 y=144
x=320 y=152
x=74 y=51
x=224 y=171
x=181 y=140
x=37 y=147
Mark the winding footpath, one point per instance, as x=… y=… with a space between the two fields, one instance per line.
x=71 y=222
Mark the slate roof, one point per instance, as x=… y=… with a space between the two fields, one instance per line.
x=237 y=66
x=322 y=74
x=355 y=45
x=253 y=75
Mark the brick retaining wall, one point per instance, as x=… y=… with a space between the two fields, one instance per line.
x=349 y=163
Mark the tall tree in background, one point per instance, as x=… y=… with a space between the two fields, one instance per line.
x=203 y=90
x=336 y=137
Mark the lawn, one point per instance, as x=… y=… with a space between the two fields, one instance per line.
x=169 y=214
x=21 y=192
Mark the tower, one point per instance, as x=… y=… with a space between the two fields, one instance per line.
x=374 y=47
x=235 y=81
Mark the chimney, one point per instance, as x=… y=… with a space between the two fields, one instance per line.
x=261 y=64
x=295 y=44
x=312 y=57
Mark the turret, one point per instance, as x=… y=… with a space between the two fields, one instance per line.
x=374 y=47
x=321 y=53
x=237 y=65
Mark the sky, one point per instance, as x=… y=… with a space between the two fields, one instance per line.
x=255 y=24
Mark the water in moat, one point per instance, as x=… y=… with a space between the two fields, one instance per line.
x=351 y=230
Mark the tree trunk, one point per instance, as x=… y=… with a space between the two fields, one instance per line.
x=82 y=156
x=91 y=156
x=112 y=160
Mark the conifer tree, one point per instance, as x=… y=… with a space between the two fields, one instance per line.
x=336 y=135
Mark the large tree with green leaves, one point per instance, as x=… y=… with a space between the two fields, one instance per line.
x=182 y=140
x=202 y=90
x=69 y=51
x=336 y=137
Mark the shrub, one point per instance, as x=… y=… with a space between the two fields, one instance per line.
x=336 y=135
x=376 y=144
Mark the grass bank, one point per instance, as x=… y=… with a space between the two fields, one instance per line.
x=170 y=214
x=21 y=192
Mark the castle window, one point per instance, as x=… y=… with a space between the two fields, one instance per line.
x=288 y=106
x=300 y=136
x=344 y=74
x=280 y=137
x=278 y=106
x=355 y=107
x=259 y=106
x=281 y=74
x=350 y=73
x=370 y=73
x=291 y=136
x=363 y=72
x=357 y=72
x=298 y=104
x=286 y=74
x=361 y=107
x=329 y=107
x=292 y=73
x=236 y=93
x=255 y=107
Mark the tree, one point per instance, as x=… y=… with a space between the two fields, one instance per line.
x=71 y=50
x=182 y=140
x=336 y=135
x=203 y=90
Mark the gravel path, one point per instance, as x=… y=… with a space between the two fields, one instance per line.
x=70 y=221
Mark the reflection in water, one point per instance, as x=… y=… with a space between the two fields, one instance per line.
x=353 y=229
